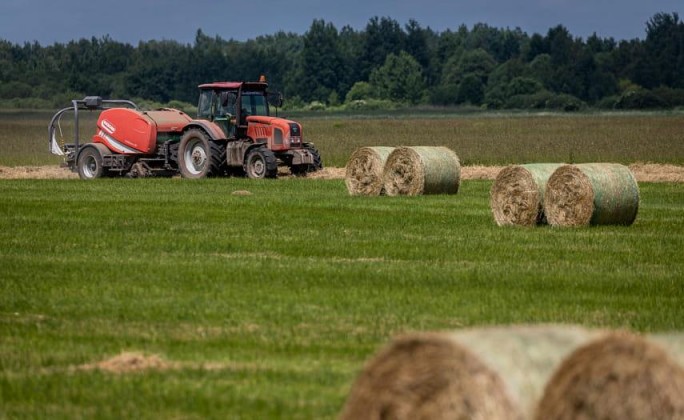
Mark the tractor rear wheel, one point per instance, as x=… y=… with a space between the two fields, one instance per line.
x=199 y=157
x=90 y=164
x=261 y=163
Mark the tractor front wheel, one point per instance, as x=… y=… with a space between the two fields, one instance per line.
x=199 y=157
x=261 y=163
x=90 y=164
x=317 y=165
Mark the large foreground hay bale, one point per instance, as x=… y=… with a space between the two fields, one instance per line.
x=428 y=376
x=672 y=342
x=591 y=193
x=422 y=170
x=363 y=174
x=517 y=195
x=620 y=376
x=492 y=372
x=525 y=356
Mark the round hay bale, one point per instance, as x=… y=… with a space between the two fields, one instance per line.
x=422 y=170
x=428 y=376
x=672 y=342
x=620 y=376
x=591 y=193
x=525 y=356
x=363 y=174
x=517 y=194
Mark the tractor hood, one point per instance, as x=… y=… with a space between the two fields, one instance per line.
x=279 y=133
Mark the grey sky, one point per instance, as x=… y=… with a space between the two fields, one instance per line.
x=49 y=21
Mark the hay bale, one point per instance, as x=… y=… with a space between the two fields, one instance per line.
x=422 y=170
x=420 y=374
x=428 y=376
x=524 y=356
x=620 y=376
x=591 y=193
x=517 y=195
x=672 y=343
x=363 y=174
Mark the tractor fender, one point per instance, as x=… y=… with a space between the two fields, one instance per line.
x=237 y=151
x=213 y=130
x=104 y=150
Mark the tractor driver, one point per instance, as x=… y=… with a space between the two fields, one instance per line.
x=228 y=103
x=227 y=110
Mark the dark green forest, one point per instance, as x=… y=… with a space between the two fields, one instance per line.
x=384 y=65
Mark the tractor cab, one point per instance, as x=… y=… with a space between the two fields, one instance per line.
x=228 y=104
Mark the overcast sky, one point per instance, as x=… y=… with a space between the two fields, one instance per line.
x=50 y=21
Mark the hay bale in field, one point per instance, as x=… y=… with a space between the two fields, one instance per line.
x=363 y=174
x=517 y=195
x=419 y=375
x=524 y=356
x=672 y=342
x=428 y=376
x=591 y=193
x=620 y=376
x=422 y=170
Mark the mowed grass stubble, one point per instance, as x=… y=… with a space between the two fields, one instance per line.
x=271 y=302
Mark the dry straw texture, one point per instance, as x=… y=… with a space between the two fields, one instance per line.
x=422 y=170
x=524 y=356
x=672 y=342
x=620 y=376
x=428 y=376
x=492 y=372
x=517 y=195
x=591 y=193
x=364 y=170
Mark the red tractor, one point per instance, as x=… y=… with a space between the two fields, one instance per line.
x=234 y=133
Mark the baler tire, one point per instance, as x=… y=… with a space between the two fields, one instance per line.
x=90 y=164
x=261 y=163
x=200 y=157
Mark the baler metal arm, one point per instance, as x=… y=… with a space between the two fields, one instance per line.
x=89 y=103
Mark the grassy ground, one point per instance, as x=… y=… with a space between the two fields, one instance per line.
x=476 y=138
x=267 y=305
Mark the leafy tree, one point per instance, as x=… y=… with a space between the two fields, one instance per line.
x=321 y=62
x=663 y=61
x=360 y=91
x=471 y=89
x=399 y=79
x=477 y=62
x=383 y=36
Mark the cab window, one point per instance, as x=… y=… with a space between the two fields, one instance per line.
x=204 y=106
x=254 y=103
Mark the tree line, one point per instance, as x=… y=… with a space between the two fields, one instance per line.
x=383 y=65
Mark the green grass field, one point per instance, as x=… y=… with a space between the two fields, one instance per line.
x=266 y=306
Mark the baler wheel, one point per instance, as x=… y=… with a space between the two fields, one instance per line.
x=90 y=164
x=199 y=157
x=261 y=163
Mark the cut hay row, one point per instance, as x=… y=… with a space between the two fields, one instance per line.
x=363 y=173
x=560 y=372
x=422 y=170
x=517 y=194
x=591 y=194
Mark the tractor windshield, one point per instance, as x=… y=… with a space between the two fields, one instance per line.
x=254 y=103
